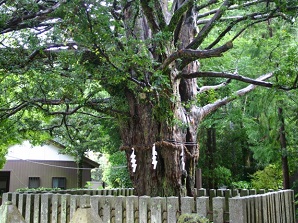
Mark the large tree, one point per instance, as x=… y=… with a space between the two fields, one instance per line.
x=59 y=56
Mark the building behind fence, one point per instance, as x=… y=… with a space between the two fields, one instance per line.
x=120 y=206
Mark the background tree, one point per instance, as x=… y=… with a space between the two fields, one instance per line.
x=272 y=132
x=232 y=160
x=148 y=56
x=116 y=174
x=82 y=133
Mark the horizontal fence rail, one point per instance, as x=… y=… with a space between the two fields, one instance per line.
x=120 y=206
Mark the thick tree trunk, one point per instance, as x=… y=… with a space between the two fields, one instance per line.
x=284 y=156
x=174 y=133
x=140 y=134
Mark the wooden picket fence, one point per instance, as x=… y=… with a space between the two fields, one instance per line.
x=121 y=206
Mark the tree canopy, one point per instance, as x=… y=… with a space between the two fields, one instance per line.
x=158 y=67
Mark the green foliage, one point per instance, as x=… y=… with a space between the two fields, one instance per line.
x=37 y=190
x=269 y=178
x=241 y=185
x=116 y=175
x=222 y=176
x=231 y=147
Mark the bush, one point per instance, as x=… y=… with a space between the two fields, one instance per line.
x=269 y=178
x=116 y=175
x=39 y=189
x=241 y=185
x=222 y=176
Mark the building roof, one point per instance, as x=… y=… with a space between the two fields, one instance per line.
x=48 y=152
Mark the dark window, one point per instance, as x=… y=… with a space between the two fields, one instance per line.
x=34 y=182
x=4 y=182
x=59 y=182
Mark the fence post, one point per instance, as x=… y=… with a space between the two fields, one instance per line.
x=22 y=203
x=55 y=207
x=261 y=191
x=65 y=200
x=119 y=205
x=202 y=192
x=29 y=208
x=228 y=194
x=275 y=208
x=258 y=207
x=84 y=200
x=6 y=197
x=107 y=203
x=220 y=192
x=15 y=198
x=203 y=206
x=287 y=205
x=251 y=208
x=292 y=204
x=244 y=192
x=156 y=209
x=144 y=202
x=73 y=205
x=36 y=214
x=252 y=192
x=235 y=193
x=187 y=205
x=237 y=207
x=172 y=207
x=212 y=193
x=94 y=200
x=218 y=209
x=131 y=206
x=45 y=205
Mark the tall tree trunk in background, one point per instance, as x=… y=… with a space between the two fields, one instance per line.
x=211 y=149
x=284 y=154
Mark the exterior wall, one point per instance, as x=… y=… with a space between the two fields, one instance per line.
x=86 y=176
x=21 y=170
x=45 y=162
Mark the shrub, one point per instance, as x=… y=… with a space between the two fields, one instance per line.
x=116 y=175
x=222 y=176
x=269 y=178
x=241 y=185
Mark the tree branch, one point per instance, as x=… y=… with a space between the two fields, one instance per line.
x=214 y=87
x=12 y=111
x=252 y=16
x=258 y=81
x=207 y=109
x=17 y=23
x=160 y=14
x=246 y=4
x=149 y=13
x=207 y=28
x=178 y=14
x=64 y=113
x=229 y=28
x=191 y=55
x=49 y=47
